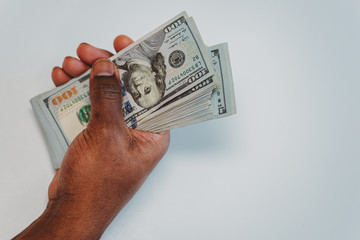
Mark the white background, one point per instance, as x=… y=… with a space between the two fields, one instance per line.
x=287 y=166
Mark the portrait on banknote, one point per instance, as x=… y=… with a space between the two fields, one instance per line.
x=144 y=78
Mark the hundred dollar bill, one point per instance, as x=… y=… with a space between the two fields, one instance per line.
x=222 y=101
x=172 y=59
x=217 y=104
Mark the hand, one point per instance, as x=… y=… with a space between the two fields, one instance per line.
x=105 y=164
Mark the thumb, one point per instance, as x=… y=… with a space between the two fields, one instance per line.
x=105 y=95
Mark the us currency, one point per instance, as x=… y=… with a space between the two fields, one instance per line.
x=185 y=75
x=180 y=61
x=218 y=103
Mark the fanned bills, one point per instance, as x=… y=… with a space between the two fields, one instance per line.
x=185 y=83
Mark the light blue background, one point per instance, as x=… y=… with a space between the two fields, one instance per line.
x=285 y=167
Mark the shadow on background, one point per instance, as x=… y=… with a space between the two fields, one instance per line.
x=215 y=135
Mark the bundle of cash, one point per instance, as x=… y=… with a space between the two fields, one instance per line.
x=183 y=82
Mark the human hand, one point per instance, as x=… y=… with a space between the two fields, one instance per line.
x=105 y=164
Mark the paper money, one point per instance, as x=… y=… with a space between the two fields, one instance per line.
x=185 y=88
x=220 y=102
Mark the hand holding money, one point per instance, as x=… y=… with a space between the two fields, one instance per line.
x=169 y=79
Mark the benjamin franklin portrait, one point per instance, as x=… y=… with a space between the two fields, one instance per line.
x=146 y=71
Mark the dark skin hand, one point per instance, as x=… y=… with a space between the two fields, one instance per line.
x=105 y=164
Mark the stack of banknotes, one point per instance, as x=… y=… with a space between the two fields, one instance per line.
x=170 y=79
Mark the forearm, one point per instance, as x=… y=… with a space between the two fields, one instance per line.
x=68 y=220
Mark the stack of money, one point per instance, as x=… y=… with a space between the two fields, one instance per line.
x=169 y=77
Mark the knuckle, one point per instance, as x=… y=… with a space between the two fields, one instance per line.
x=106 y=92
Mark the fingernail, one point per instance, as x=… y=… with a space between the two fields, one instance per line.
x=103 y=67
